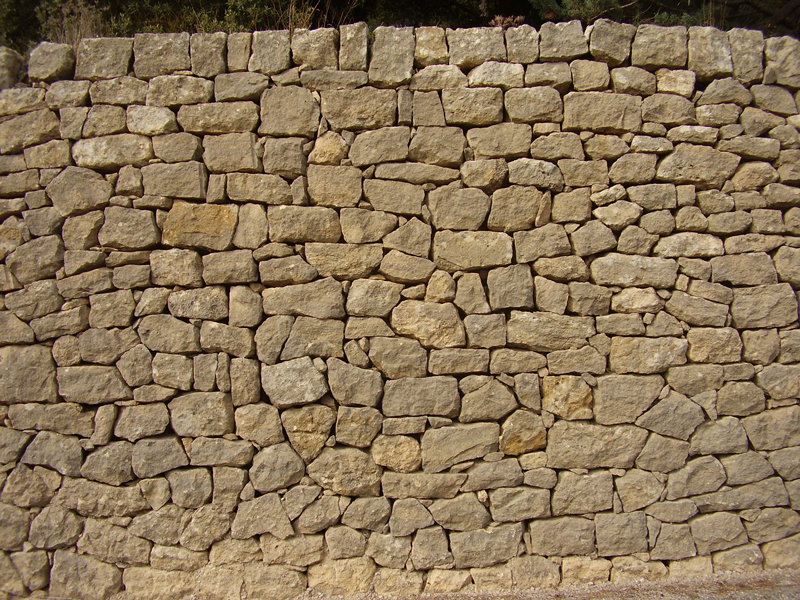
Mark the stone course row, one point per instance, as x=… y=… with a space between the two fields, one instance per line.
x=410 y=310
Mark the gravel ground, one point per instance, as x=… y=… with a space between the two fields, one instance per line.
x=770 y=585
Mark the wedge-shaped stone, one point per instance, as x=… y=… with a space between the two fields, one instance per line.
x=573 y=444
x=293 y=383
x=265 y=514
x=442 y=448
x=627 y=270
x=434 y=396
x=545 y=332
x=675 y=416
x=769 y=492
x=718 y=531
x=28 y=130
x=37 y=259
x=421 y=485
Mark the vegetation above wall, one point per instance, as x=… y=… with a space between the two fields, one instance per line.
x=23 y=24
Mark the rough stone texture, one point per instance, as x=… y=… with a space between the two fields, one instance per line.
x=426 y=310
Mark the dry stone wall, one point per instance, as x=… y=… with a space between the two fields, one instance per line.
x=403 y=311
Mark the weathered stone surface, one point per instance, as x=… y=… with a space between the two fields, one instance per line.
x=689 y=164
x=646 y=355
x=210 y=227
x=342 y=577
x=265 y=514
x=76 y=576
x=442 y=448
x=485 y=547
x=346 y=471
x=27 y=373
x=600 y=446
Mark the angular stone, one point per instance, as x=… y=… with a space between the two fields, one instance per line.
x=545 y=332
x=78 y=190
x=568 y=397
x=392 y=57
x=364 y=108
x=623 y=398
x=718 y=531
x=201 y=414
x=265 y=514
x=485 y=547
x=646 y=355
x=578 y=494
x=421 y=396
x=600 y=446
x=346 y=471
x=688 y=164
x=128 y=229
x=92 y=499
x=308 y=429
x=185 y=180
x=442 y=448
x=627 y=270
x=699 y=476
x=684 y=417
x=77 y=576
x=764 y=306
x=345 y=576
x=276 y=467
x=320 y=299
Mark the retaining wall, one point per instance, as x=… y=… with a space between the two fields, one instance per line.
x=409 y=310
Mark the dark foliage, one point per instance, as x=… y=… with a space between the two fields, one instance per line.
x=25 y=22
